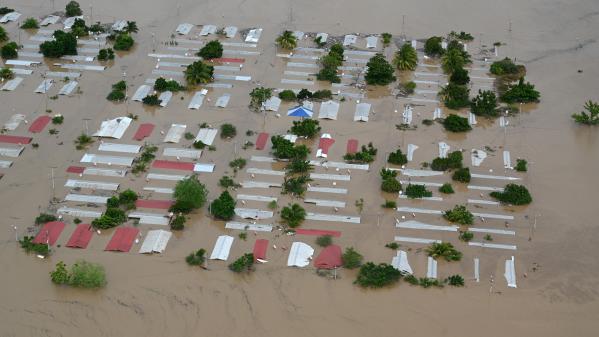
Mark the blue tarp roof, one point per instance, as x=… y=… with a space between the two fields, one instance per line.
x=300 y=111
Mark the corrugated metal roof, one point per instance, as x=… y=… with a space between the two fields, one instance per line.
x=251 y=213
x=169 y=177
x=12 y=16
x=184 y=28
x=141 y=93
x=230 y=31
x=329 y=110
x=13 y=122
x=254 y=35
x=300 y=255
x=301 y=82
x=150 y=218
x=272 y=104
x=5 y=163
x=19 y=71
x=109 y=160
x=203 y=167
x=96 y=199
x=44 y=86
x=80 y=66
x=254 y=170
x=349 y=40
x=263 y=159
x=11 y=85
x=68 y=88
x=327 y=190
x=78 y=212
x=198 y=99
x=119 y=25
x=165 y=97
x=372 y=41
x=167 y=72
x=122 y=148
x=62 y=74
x=182 y=153
x=340 y=165
x=248 y=226
x=337 y=177
x=208 y=29
x=510 y=273
x=96 y=185
x=412 y=224
x=113 y=128
x=175 y=133
x=332 y=217
x=223 y=101
x=259 y=184
x=206 y=135
x=49 y=20
x=492 y=245
x=222 y=248
x=164 y=190
x=104 y=172
x=255 y=198
x=400 y=262
x=431 y=269
x=362 y=112
x=26 y=63
x=68 y=22
x=325 y=203
x=416 y=240
x=155 y=241
x=12 y=152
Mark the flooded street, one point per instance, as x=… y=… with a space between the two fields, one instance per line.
x=160 y=295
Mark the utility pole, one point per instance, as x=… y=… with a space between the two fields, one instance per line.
x=86 y=128
x=53 y=183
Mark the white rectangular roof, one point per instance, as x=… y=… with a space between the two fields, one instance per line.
x=68 y=22
x=251 y=213
x=12 y=152
x=255 y=198
x=20 y=71
x=327 y=190
x=371 y=42
x=68 y=88
x=400 y=262
x=415 y=240
x=175 y=133
x=329 y=110
x=44 y=86
x=141 y=93
x=184 y=28
x=155 y=241
x=492 y=245
x=81 y=66
x=108 y=160
x=206 y=135
x=362 y=112
x=122 y=148
x=93 y=171
x=412 y=224
x=150 y=218
x=431 y=269
x=78 y=212
x=254 y=35
x=336 y=177
x=168 y=177
x=272 y=104
x=510 y=273
x=223 y=101
x=349 y=40
x=164 y=190
x=230 y=31
x=49 y=20
x=248 y=226
x=11 y=85
x=263 y=159
x=13 y=122
x=96 y=185
x=113 y=128
x=82 y=58
x=208 y=29
x=332 y=217
x=182 y=153
x=203 y=167
x=325 y=203
x=255 y=170
x=12 y=16
x=119 y=25
x=95 y=199
x=197 y=99
x=300 y=255
x=259 y=184
x=5 y=163
x=222 y=248
x=341 y=165
x=165 y=97
x=26 y=63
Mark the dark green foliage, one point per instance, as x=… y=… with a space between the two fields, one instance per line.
x=258 y=96
x=446 y=189
x=30 y=23
x=409 y=87
x=452 y=60
x=226 y=182
x=455 y=280
x=44 y=218
x=97 y=28
x=484 y=104
x=3 y=34
x=462 y=175
x=504 y=67
x=9 y=51
x=223 y=207
x=590 y=117
x=287 y=40
x=198 y=145
x=488 y=237
x=85 y=274
x=63 y=44
x=127 y=199
x=328 y=74
x=322 y=94
x=298 y=165
x=365 y=155
x=329 y=63
x=178 y=222
x=521 y=93
x=287 y=95
x=377 y=276
x=117 y=214
x=123 y=41
x=285 y=149
x=237 y=164
x=453 y=161
x=432 y=46
x=83 y=141
x=389 y=183
x=459 y=76
x=397 y=158
x=212 y=50
x=304 y=94
x=189 y=194
x=386 y=38
x=120 y=86
x=459 y=214
x=6 y=74
x=380 y=72
x=79 y=28
x=73 y=9
x=455 y=96
x=466 y=236
x=513 y=194
x=457 y=46
x=463 y=36
x=392 y=245
x=112 y=202
x=521 y=165
x=306 y=128
x=406 y=58
x=444 y=250
x=293 y=215
x=337 y=50
x=196 y=258
x=351 y=259
x=324 y=240
x=37 y=248
x=455 y=123
x=296 y=185
x=319 y=42
x=162 y=84
x=411 y=279
x=106 y=54
x=60 y=275
x=131 y=27
x=228 y=131
x=199 y=73
x=6 y=10
x=417 y=191
x=389 y=204
x=426 y=282
x=244 y=263
x=151 y=100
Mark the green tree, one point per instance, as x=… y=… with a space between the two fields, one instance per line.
x=453 y=161
x=432 y=46
x=324 y=240
x=87 y=275
x=243 y=263
x=131 y=27
x=452 y=60
x=189 y=195
x=123 y=41
x=258 y=96
x=60 y=275
x=298 y=165
x=513 y=194
x=415 y=191
x=199 y=73
x=455 y=96
x=3 y=35
x=151 y=100
x=178 y=222
x=287 y=95
x=504 y=67
x=455 y=123
x=590 y=117
x=106 y=54
x=227 y=131
x=73 y=9
x=328 y=74
x=9 y=51
x=459 y=77
x=287 y=40
x=459 y=214
x=196 y=258
x=397 y=158
x=79 y=28
x=521 y=165
x=296 y=185
x=462 y=175
x=223 y=207
x=386 y=39
x=6 y=74
x=351 y=259
x=406 y=58
x=484 y=104
x=380 y=72
x=446 y=189
x=377 y=276
x=212 y=50
x=306 y=128
x=63 y=44
x=30 y=23
x=521 y=93
x=444 y=250
x=293 y=215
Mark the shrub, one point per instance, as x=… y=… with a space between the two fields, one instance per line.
x=331 y=61
x=9 y=51
x=284 y=149
x=411 y=279
x=30 y=23
x=463 y=36
x=293 y=215
x=198 y=73
x=455 y=280
x=432 y=46
x=123 y=41
x=79 y=28
x=151 y=100
x=223 y=207
x=426 y=282
x=389 y=184
x=443 y=250
x=106 y=54
x=227 y=131
x=466 y=236
x=38 y=248
x=297 y=165
x=386 y=38
x=455 y=123
x=198 y=145
x=319 y=42
x=306 y=128
x=189 y=194
x=272 y=204
x=452 y=61
x=377 y=276
x=590 y=118
x=521 y=93
x=389 y=204
x=227 y=182
x=513 y=194
x=73 y=9
x=322 y=94
x=287 y=95
x=459 y=214
x=6 y=74
x=406 y=58
x=3 y=34
x=287 y=40
x=521 y=165
x=60 y=275
x=504 y=67
x=259 y=96
x=446 y=189
x=453 y=161
x=380 y=72
x=163 y=85
x=324 y=240
x=455 y=96
x=178 y=223
x=112 y=202
x=366 y=155
x=212 y=50
x=351 y=259
x=237 y=164
x=244 y=263
x=462 y=175
x=397 y=158
x=196 y=258
x=409 y=87
x=296 y=185
x=83 y=141
x=459 y=77
x=392 y=245
x=328 y=74
x=417 y=191
x=44 y=218
x=304 y=94
x=87 y=275
x=484 y=104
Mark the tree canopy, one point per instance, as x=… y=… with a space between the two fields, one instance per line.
x=212 y=50
x=380 y=72
x=406 y=58
x=523 y=92
x=513 y=194
x=287 y=40
x=432 y=46
x=293 y=215
x=484 y=104
x=189 y=195
x=223 y=207
x=306 y=128
x=455 y=123
x=73 y=9
x=199 y=73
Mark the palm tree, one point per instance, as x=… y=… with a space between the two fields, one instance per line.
x=287 y=40
x=298 y=165
x=406 y=58
x=293 y=215
x=198 y=73
x=444 y=250
x=131 y=27
x=452 y=60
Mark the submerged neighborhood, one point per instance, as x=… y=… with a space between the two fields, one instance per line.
x=374 y=159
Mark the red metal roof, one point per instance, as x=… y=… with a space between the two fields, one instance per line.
x=173 y=165
x=157 y=204
x=49 y=232
x=14 y=139
x=122 y=239
x=75 y=169
x=143 y=131
x=39 y=124
x=260 y=248
x=261 y=140
x=228 y=60
x=329 y=258
x=317 y=232
x=325 y=143
x=81 y=236
x=352 y=146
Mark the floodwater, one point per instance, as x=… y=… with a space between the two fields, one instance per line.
x=162 y=296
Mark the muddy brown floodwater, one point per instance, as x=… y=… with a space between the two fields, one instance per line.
x=160 y=295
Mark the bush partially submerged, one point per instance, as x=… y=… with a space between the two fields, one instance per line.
x=212 y=50
x=365 y=155
x=521 y=93
x=460 y=215
x=223 y=207
x=83 y=274
x=446 y=189
x=306 y=128
x=455 y=123
x=590 y=117
x=243 y=263
x=38 y=248
x=196 y=258
x=377 y=276
x=287 y=95
x=228 y=131
x=444 y=250
x=453 y=161
x=397 y=158
x=484 y=104
x=521 y=165
x=462 y=175
x=324 y=240
x=293 y=215
x=380 y=72
x=513 y=194
x=389 y=183
x=351 y=259
x=455 y=280
x=189 y=195
x=417 y=191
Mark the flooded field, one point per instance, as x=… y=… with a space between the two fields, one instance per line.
x=160 y=295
